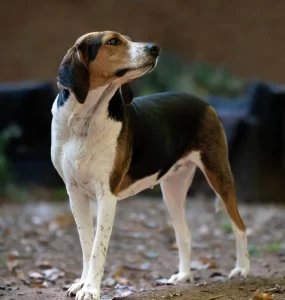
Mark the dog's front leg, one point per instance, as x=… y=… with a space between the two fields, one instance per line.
x=80 y=207
x=105 y=219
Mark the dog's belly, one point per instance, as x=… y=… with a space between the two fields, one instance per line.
x=181 y=165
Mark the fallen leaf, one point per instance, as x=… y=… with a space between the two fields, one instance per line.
x=122 y=281
x=141 y=235
x=171 y=295
x=151 y=225
x=52 y=274
x=109 y=282
x=201 y=283
x=12 y=262
x=20 y=274
x=121 y=294
x=198 y=265
x=13 y=254
x=204 y=230
x=207 y=261
x=36 y=276
x=39 y=285
x=152 y=254
x=7 y=231
x=261 y=296
x=145 y=266
x=275 y=290
x=44 y=264
x=118 y=272
x=11 y=288
x=66 y=287
x=61 y=222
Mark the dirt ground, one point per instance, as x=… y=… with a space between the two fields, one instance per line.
x=40 y=254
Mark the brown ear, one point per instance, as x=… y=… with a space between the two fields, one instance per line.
x=74 y=75
x=127 y=93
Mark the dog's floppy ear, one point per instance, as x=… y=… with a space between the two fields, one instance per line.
x=74 y=75
x=127 y=93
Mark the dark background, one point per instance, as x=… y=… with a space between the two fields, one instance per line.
x=229 y=53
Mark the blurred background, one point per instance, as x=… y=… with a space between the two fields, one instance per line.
x=230 y=54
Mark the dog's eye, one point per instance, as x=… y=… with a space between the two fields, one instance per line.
x=114 y=42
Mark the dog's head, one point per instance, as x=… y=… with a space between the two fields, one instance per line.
x=100 y=58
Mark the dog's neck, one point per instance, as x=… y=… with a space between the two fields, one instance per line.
x=83 y=119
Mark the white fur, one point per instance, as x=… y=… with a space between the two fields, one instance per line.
x=174 y=189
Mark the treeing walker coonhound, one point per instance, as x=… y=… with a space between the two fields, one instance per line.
x=108 y=146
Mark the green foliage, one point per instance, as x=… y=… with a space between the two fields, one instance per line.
x=253 y=249
x=274 y=246
x=226 y=226
x=174 y=74
x=60 y=193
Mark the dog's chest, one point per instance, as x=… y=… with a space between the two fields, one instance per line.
x=87 y=161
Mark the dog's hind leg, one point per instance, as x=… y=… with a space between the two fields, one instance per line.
x=220 y=178
x=174 y=191
x=213 y=161
x=80 y=207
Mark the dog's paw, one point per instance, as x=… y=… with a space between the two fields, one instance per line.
x=75 y=287
x=88 y=294
x=239 y=271
x=180 y=277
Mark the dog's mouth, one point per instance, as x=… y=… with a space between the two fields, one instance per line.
x=149 y=66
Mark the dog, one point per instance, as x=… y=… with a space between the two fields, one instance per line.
x=108 y=145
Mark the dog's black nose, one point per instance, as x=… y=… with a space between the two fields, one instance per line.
x=153 y=49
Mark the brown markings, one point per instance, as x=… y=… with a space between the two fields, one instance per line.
x=214 y=156
x=92 y=63
x=108 y=59
x=118 y=178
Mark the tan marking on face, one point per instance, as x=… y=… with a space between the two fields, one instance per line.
x=111 y=58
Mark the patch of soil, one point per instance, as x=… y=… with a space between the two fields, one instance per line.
x=40 y=254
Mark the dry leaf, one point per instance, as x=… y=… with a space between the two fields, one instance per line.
x=39 y=285
x=53 y=274
x=61 y=221
x=12 y=262
x=261 y=296
x=13 y=254
x=118 y=272
x=275 y=290
x=66 y=287
x=36 y=276
x=45 y=264
x=207 y=261
x=20 y=274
